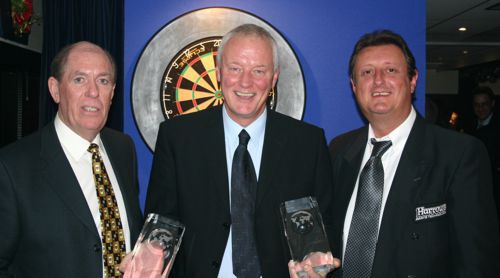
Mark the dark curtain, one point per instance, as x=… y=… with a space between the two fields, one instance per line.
x=69 y=21
x=5 y=20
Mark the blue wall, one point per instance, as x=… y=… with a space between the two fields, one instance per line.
x=322 y=34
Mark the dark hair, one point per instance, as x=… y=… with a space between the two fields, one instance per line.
x=484 y=90
x=58 y=64
x=383 y=37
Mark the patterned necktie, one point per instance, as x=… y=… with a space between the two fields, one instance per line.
x=113 y=239
x=243 y=192
x=363 y=233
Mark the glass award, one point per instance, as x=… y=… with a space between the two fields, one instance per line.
x=155 y=250
x=305 y=233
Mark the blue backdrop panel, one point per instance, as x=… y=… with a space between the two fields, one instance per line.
x=322 y=34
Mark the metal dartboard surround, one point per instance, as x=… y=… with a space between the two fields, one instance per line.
x=147 y=81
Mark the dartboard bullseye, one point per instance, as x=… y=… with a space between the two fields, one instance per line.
x=189 y=83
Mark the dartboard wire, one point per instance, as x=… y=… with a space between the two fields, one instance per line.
x=190 y=94
x=192 y=75
x=196 y=78
x=208 y=61
x=216 y=96
x=201 y=106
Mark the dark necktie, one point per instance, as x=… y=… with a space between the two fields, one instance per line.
x=113 y=239
x=363 y=232
x=243 y=192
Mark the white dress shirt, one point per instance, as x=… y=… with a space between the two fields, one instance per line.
x=390 y=161
x=484 y=122
x=256 y=130
x=75 y=149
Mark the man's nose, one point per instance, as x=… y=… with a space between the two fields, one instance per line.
x=92 y=90
x=246 y=79
x=379 y=77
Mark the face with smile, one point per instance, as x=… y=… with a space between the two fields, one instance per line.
x=85 y=90
x=246 y=75
x=381 y=84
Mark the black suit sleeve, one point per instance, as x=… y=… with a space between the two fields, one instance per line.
x=473 y=230
x=323 y=184
x=9 y=230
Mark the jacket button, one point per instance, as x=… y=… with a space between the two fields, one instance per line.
x=414 y=236
x=97 y=247
x=226 y=225
x=215 y=264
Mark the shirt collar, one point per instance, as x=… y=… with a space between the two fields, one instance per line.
x=255 y=129
x=75 y=145
x=399 y=135
x=485 y=121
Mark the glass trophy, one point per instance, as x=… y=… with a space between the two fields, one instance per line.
x=305 y=233
x=155 y=250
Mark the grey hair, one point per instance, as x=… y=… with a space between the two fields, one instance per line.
x=248 y=30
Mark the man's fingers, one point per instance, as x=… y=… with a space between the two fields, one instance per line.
x=125 y=262
x=293 y=268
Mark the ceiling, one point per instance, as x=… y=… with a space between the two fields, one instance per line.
x=447 y=48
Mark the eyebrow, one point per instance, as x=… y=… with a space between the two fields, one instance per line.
x=100 y=74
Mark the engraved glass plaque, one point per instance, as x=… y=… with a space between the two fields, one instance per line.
x=305 y=233
x=155 y=250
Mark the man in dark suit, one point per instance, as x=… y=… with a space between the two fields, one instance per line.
x=486 y=128
x=49 y=205
x=193 y=169
x=435 y=215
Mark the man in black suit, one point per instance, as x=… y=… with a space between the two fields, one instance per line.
x=192 y=165
x=435 y=215
x=49 y=206
x=486 y=128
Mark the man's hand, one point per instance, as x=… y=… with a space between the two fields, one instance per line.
x=146 y=263
x=125 y=264
x=307 y=266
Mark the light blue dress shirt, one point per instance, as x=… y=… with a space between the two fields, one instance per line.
x=256 y=130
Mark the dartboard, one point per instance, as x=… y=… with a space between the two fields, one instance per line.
x=176 y=72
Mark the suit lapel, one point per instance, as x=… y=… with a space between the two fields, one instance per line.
x=399 y=208
x=345 y=181
x=58 y=174
x=354 y=157
x=275 y=139
x=215 y=152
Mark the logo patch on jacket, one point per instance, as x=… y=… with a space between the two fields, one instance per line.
x=423 y=213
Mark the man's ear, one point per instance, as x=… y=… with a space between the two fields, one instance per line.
x=53 y=85
x=275 y=76
x=113 y=92
x=217 y=73
x=353 y=86
x=413 y=82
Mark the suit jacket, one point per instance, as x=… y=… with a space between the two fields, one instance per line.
x=437 y=167
x=189 y=182
x=490 y=136
x=47 y=228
